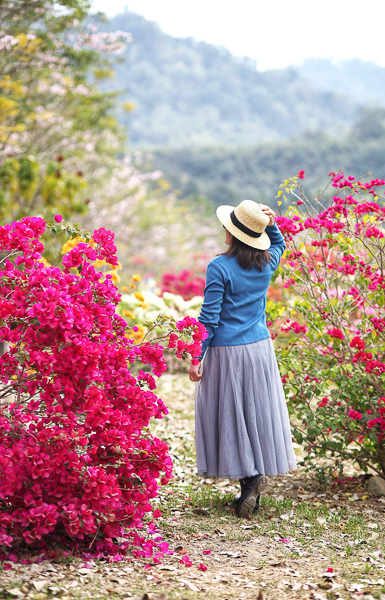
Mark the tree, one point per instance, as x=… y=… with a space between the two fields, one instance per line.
x=370 y=125
x=50 y=108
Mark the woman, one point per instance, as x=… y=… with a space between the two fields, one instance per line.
x=242 y=425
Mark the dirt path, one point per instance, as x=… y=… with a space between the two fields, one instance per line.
x=313 y=543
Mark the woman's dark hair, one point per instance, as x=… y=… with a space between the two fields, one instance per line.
x=247 y=256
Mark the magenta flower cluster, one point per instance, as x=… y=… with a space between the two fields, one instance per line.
x=76 y=457
x=332 y=357
x=186 y=283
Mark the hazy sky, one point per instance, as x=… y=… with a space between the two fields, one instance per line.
x=274 y=32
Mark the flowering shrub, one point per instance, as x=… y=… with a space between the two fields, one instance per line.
x=76 y=456
x=333 y=362
x=186 y=284
x=189 y=286
x=141 y=307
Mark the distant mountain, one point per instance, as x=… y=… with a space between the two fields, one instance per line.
x=190 y=93
x=227 y=175
x=361 y=81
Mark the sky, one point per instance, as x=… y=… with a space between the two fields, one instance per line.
x=276 y=33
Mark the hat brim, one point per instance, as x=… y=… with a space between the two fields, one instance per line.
x=261 y=243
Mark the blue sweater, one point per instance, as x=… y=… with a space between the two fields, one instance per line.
x=233 y=309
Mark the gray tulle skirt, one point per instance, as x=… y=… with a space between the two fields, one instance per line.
x=241 y=420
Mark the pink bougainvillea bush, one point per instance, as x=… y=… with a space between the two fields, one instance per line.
x=333 y=358
x=77 y=459
x=186 y=284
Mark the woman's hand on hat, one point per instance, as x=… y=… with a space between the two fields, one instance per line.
x=269 y=212
x=193 y=373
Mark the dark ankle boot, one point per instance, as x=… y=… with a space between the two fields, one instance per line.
x=251 y=487
x=237 y=497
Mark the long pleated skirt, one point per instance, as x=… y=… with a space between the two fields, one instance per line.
x=242 y=424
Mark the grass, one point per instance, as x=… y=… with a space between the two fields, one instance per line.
x=325 y=532
x=247 y=558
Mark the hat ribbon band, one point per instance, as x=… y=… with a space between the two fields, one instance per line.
x=243 y=227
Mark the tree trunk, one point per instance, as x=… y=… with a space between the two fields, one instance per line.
x=381 y=455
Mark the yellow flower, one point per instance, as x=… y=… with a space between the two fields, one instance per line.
x=74 y=242
x=99 y=263
x=8 y=107
x=136 y=277
x=116 y=267
x=45 y=262
x=115 y=276
x=125 y=289
x=138 y=335
x=139 y=296
x=143 y=305
x=128 y=107
x=128 y=313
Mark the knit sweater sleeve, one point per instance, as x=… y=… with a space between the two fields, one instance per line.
x=212 y=302
x=278 y=245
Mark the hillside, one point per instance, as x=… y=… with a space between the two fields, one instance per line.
x=361 y=81
x=193 y=93
x=227 y=175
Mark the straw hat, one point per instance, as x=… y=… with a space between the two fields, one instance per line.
x=246 y=222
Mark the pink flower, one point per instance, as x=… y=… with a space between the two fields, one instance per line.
x=354 y=414
x=7 y=566
x=157 y=557
x=323 y=402
x=335 y=333
x=186 y=284
x=296 y=327
x=206 y=552
x=202 y=567
x=185 y=560
x=96 y=407
x=329 y=570
x=13 y=558
x=357 y=342
x=58 y=218
x=285 y=541
x=156 y=514
x=301 y=174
